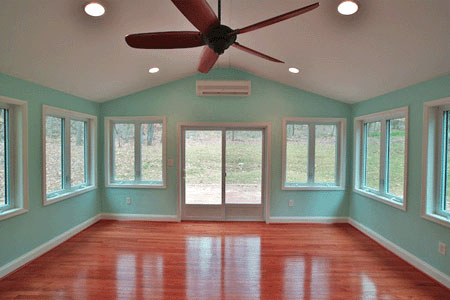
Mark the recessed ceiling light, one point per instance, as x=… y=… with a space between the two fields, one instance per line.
x=348 y=7
x=294 y=70
x=94 y=9
x=153 y=70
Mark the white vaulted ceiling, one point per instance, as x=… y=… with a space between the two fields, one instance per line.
x=387 y=45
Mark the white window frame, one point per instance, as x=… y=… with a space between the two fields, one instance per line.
x=18 y=161
x=341 y=124
x=109 y=122
x=69 y=115
x=358 y=166
x=432 y=161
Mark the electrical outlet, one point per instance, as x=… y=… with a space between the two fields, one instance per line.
x=442 y=248
x=128 y=200
x=291 y=203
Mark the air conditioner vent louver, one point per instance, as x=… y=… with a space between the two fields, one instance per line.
x=223 y=88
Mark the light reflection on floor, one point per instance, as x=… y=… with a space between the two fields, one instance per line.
x=207 y=260
x=217 y=261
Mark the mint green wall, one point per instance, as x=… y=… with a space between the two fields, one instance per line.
x=22 y=233
x=269 y=102
x=406 y=229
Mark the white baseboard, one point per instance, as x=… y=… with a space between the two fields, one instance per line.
x=407 y=256
x=402 y=253
x=317 y=220
x=38 y=251
x=139 y=217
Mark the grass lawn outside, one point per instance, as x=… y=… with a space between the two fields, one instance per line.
x=243 y=162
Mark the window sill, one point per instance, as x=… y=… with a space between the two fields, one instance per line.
x=401 y=206
x=12 y=213
x=68 y=195
x=312 y=188
x=437 y=219
x=134 y=186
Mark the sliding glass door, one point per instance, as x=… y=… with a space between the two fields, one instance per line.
x=222 y=173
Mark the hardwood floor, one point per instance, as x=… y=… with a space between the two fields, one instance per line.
x=201 y=260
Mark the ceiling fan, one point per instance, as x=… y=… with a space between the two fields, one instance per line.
x=216 y=36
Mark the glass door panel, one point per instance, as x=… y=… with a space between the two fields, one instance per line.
x=243 y=161
x=203 y=167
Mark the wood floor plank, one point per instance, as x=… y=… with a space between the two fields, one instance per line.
x=219 y=260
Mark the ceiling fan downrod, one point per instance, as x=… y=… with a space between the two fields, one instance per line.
x=219 y=12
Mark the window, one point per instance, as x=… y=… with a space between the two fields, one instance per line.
x=443 y=205
x=135 y=155
x=436 y=162
x=380 y=156
x=69 y=153
x=5 y=199
x=313 y=153
x=13 y=158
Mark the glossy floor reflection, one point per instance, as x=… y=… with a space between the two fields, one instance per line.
x=201 y=260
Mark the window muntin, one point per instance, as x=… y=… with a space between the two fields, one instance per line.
x=313 y=153
x=136 y=152
x=384 y=158
x=380 y=156
x=69 y=153
x=5 y=199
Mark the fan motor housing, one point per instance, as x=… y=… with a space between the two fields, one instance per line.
x=219 y=38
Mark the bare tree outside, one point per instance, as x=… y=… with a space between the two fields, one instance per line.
x=123 y=152
x=373 y=131
x=54 y=153
x=78 y=152
x=297 y=136
x=297 y=156
x=396 y=156
x=152 y=152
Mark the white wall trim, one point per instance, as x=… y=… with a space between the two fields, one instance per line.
x=266 y=126
x=341 y=141
x=403 y=254
x=108 y=151
x=20 y=162
x=317 y=220
x=431 y=160
x=380 y=198
x=358 y=143
x=68 y=116
x=47 y=246
x=139 y=217
x=268 y=158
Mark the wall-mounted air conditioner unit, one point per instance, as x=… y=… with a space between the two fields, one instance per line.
x=223 y=87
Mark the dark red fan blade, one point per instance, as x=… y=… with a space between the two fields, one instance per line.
x=207 y=60
x=199 y=13
x=165 y=40
x=277 y=19
x=254 y=52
